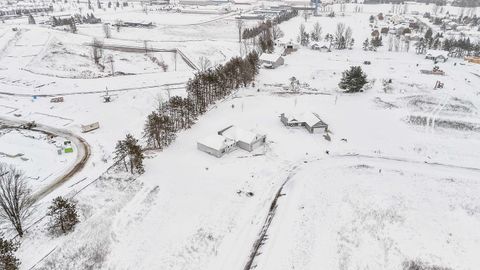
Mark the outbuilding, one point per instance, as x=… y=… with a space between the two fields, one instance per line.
x=437 y=55
x=271 y=60
x=244 y=139
x=216 y=145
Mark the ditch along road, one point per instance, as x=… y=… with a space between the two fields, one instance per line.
x=82 y=147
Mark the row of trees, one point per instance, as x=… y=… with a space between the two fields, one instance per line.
x=260 y=28
x=342 y=39
x=178 y=113
x=456 y=47
x=209 y=86
x=76 y=19
x=372 y=44
x=461 y=47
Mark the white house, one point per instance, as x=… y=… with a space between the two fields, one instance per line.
x=437 y=55
x=216 y=145
x=320 y=46
x=271 y=60
x=311 y=121
x=244 y=139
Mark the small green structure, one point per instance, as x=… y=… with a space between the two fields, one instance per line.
x=68 y=150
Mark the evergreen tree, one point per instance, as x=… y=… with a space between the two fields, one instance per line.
x=8 y=261
x=376 y=42
x=428 y=34
x=73 y=26
x=366 y=44
x=31 y=20
x=129 y=152
x=159 y=130
x=353 y=79
x=63 y=215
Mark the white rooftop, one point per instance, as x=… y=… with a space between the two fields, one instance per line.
x=239 y=134
x=269 y=57
x=307 y=117
x=216 y=142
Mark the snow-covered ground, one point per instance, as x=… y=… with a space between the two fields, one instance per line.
x=32 y=152
x=385 y=190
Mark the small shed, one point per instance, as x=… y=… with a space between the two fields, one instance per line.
x=216 y=145
x=56 y=100
x=271 y=60
x=90 y=127
x=244 y=139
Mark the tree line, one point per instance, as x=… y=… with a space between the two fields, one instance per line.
x=75 y=19
x=261 y=27
x=456 y=47
x=179 y=113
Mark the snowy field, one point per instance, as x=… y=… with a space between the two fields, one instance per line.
x=398 y=182
x=33 y=152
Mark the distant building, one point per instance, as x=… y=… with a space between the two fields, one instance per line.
x=229 y=139
x=244 y=139
x=271 y=60
x=311 y=121
x=437 y=55
x=216 y=145
x=317 y=46
x=90 y=127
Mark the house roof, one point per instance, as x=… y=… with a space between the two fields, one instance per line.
x=270 y=57
x=308 y=117
x=216 y=142
x=239 y=134
x=320 y=44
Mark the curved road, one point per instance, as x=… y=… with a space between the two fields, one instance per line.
x=83 y=152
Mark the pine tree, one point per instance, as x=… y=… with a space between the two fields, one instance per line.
x=31 y=20
x=366 y=44
x=63 y=215
x=353 y=79
x=129 y=152
x=73 y=26
x=8 y=260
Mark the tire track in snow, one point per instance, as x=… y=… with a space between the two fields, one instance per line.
x=263 y=236
x=268 y=221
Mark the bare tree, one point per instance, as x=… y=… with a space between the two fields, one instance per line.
x=306 y=15
x=204 y=63
x=106 y=30
x=348 y=36
x=97 y=51
x=317 y=32
x=276 y=32
x=15 y=197
x=435 y=9
x=340 y=30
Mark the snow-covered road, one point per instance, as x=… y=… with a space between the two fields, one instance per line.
x=83 y=153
